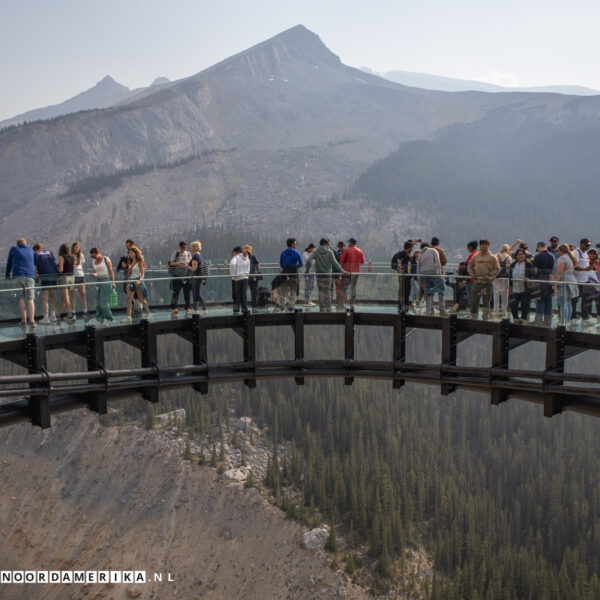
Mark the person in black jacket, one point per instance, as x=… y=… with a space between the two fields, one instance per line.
x=520 y=272
x=401 y=264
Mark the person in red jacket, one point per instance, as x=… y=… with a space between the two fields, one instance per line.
x=351 y=260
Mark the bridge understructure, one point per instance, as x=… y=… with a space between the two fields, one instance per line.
x=36 y=395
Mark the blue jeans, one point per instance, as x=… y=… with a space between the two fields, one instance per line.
x=309 y=282
x=565 y=307
x=543 y=305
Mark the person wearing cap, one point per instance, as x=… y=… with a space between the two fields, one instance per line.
x=309 y=278
x=351 y=260
x=325 y=263
x=178 y=267
x=581 y=274
x=239 y=269
x=543 y=263
x=553 y=249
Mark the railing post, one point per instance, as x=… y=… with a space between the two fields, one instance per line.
x=449 y=347
x=200 y=350
x=299 y=341
x=95 y=360
x=555 y=362
x=399 y=347
x=250 y=346
x=500 y=355
x=149 y=350
x=349 y=342
x=39 y=406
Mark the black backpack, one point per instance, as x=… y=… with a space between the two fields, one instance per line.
x=503 y=269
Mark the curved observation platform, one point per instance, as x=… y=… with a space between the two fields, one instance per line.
x=40 y=393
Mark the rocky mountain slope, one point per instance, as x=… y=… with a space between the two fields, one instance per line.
x=264 y=137
x=82 y=496
x=107 y=92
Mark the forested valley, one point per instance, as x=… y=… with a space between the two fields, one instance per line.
x=505 y=501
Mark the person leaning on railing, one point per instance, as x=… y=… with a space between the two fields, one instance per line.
x=45 y=265
x=351 y=261
x=325 y=263
x=20 y=267
x=66 y=280
x=567 y=287
x=104 y=274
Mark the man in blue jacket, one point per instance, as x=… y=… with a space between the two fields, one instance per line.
x=289 y=261
x=20 y=267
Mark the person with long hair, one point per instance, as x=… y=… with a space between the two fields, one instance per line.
x=79 y=275
x=195 y=267
x=136 y=286
x=567 y=288
x=104 y=274
x=66 y=279
x=500 y=283
x=520 y=271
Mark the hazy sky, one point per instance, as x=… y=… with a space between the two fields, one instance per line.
x=52 y=50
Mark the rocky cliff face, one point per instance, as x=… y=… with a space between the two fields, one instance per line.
x=288 y=96
x=84 y=497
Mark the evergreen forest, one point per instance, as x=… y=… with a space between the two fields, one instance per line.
x=506 y=501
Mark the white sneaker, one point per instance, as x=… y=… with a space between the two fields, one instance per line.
x=45 y=320
x=53 y=318
x=149 y=316
x=126 y=320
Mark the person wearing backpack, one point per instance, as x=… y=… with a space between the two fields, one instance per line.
x=500 y=284
x=178 y=268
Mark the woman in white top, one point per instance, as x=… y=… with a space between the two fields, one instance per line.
x=79 y=279
x=500 y=283
x=567 y=289
x=136 y=286
x=103 y=272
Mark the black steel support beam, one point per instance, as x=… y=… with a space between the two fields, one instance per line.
x=200 y=349
x=500 y=353
x=399 y=347
x=449 y=349
x=555 y=362
x=249 y=336
x=299 y=342
x=38 y=405
x=349 y=344
x=97 y=401
x=149 y=352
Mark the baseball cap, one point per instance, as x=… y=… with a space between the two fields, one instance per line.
x=542 y=244
x=585 y=241
x=352 y=240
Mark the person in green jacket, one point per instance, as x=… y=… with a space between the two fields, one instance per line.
x=325 y=263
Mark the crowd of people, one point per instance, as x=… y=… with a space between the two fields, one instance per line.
x=505 y=283
x=484 y=283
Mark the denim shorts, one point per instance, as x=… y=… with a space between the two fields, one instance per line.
x=27 y=284
x=141 y=286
